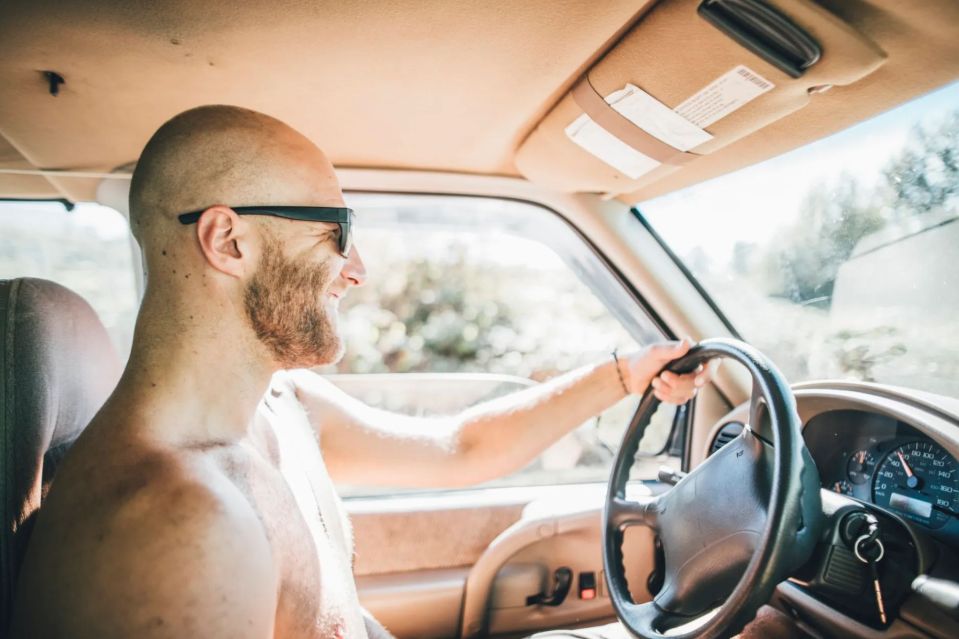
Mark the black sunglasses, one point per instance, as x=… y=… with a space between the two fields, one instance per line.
x=342 y=216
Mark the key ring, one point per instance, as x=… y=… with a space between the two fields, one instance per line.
x=855 y=549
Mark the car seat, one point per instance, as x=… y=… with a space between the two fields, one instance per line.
x=57 y=367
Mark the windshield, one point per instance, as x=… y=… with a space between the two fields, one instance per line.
x=839 y=259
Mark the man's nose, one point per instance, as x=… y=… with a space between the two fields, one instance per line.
x=353 y=269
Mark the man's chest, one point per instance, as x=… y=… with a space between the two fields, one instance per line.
x=307 y=527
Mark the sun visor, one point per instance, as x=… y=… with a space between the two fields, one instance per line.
x=686 y=82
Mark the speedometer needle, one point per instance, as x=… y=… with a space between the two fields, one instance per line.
x=911 y=480
x=905 y=465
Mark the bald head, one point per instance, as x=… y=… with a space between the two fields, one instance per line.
x=264 y=287
x=223 y=155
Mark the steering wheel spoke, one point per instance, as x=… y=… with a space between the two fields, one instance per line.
x=625 y=512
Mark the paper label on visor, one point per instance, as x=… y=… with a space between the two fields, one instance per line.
x=724 y=95
x=649 y=114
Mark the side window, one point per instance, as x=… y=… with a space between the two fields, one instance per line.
x=87 y=249
x=468 y=299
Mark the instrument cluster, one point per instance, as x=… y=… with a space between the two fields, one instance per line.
x=882 y=461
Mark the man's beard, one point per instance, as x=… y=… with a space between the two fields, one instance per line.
x=285 y=302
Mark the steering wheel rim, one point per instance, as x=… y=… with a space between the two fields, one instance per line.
x=779 y=479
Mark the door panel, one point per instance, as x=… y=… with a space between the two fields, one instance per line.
x=430 y=566
x=423 y=603
x=454 y=536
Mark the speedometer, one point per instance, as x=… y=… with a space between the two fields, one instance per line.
x=919 y=480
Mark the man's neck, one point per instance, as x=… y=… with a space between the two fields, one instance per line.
x=193 y=380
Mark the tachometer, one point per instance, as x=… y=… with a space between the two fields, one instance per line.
x=919 y=480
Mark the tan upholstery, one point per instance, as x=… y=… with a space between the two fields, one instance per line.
x=435 y=85
x=401 y=83
x=671 y=54
x=57 y=367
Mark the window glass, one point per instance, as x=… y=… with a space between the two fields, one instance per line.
x=839 y=259
x=88 y=249
x=471 y=298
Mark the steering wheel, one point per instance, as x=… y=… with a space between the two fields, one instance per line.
x=731 y=529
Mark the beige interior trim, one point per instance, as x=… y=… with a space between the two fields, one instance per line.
x=22 y=186
x=417 y=88
x=934 y=402
x=593 y=105
x=419 y=538
x=425 y=604
x=423 y=84
x=921 y=46
x=96 y=175
x=672 y=54
x=518 y=563
x=523 y=533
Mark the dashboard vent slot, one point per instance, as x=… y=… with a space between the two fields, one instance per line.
x=726 y=434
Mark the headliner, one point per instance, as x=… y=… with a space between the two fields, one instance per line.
x=397 y=84
x=440 y=85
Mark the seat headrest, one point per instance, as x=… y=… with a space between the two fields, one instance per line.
x=57 y=367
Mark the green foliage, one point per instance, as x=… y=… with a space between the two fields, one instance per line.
x=429 y=321
x=925 y=176
x=455 y=309
x=835 y=216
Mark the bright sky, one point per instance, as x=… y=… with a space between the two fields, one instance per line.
x=106 y=222
x=466 y=223
x=751 y=204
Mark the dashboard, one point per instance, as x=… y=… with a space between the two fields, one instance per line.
x=884 y=461
x=897 y=449
x=892 y=453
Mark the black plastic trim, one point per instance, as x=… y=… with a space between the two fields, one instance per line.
x=765 y=31
x=67 y=204
x=727 y=428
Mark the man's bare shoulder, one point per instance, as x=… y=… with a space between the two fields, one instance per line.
x=160 y=544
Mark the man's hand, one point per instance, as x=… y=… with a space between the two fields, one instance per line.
x=640 y=371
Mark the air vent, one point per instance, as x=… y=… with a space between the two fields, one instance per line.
x=727 y=433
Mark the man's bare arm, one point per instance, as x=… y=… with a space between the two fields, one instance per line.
x=366 y=445
x=181 y=559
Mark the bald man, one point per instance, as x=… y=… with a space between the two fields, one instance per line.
x=197 y=503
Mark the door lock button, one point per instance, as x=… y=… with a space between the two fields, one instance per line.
x=587 y=585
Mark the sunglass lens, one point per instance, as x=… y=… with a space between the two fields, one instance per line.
x=346 y=239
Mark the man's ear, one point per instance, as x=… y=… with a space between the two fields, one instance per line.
x=223 y=238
